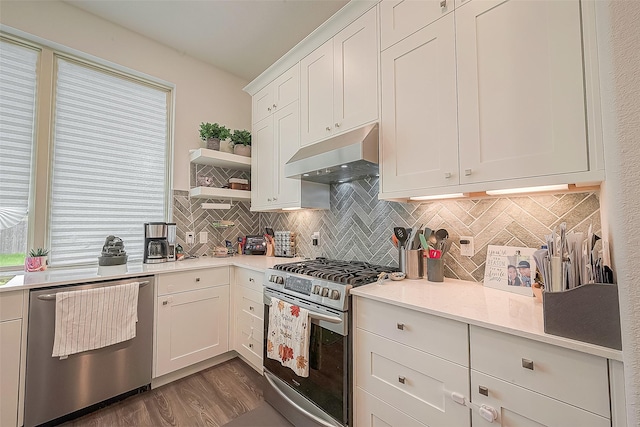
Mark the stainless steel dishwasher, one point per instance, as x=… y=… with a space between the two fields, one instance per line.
x=56 y=388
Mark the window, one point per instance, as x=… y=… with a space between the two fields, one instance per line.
x=110 y=151
x=18 y=65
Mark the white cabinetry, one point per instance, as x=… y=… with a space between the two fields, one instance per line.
x=249 y=315
x=401 y=18
x=339 y=82
x=411 y=361
x=278 y=94
x=521 y=89
x=419 y=120
x=617 y=390
x=530 y=383
x=10 y=350
x=192 y=322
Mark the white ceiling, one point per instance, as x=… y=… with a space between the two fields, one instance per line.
x=243 y=37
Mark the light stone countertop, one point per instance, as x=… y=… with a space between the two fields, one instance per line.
x=475 y=304
x=65 y=276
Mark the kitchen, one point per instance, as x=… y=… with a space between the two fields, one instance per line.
x=193 y=105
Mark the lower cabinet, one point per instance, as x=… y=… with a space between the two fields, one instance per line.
x=249 y=315
x=373 y=412
x=192 y=325
x=10 y=346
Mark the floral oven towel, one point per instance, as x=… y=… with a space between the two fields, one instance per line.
x=288 y=336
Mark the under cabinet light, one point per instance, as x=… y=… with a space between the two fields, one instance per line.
x=291 y=209
x=559 y=187
x=439 y=196
x=215 y=206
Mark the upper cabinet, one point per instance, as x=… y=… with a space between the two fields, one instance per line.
x=487 y=94
x=339 y=82
x=278 y=94
x=521 y=94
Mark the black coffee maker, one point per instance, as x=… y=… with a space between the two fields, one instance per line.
x=156 y=246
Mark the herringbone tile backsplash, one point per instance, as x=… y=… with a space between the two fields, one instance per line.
x=359 y=226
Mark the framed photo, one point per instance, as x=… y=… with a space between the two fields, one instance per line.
x=510 y=268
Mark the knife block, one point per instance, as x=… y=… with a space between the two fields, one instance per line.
x=589 y=313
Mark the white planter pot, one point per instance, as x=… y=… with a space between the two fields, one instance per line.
x=242 y=150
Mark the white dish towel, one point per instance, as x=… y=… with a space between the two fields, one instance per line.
x=288 y=336
x=94 y=318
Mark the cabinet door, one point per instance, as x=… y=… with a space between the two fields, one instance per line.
x=285 y=88
x=521 y=89
x=263 y=164
x=10 y=343
x=316 y=94
x=401 y=18
x=192 y=326
x=356 y=73
x=286 y=124
x=262 y=104
x=419 y=121
x=517 y=406
x=373 y=412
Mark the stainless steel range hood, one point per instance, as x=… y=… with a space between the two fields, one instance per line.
x=347 y=157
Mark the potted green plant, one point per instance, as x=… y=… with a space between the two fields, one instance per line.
x=212 y=134
x=241 y=140
x=37 y=260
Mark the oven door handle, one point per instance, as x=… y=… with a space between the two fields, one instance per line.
x=325 y=317
x=315 y=418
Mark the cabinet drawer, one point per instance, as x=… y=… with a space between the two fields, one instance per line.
x=170 y=283
x=417 y=383
x=250 y=348
x=373 y=412
x=249 y=278
x=436 y=335
x=251 y=325
x=250 y=302
x=520 y=407
x=10 y=305
x=553 y=371
x=400 y=18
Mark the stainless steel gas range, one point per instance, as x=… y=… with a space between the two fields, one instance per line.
x=324 y=398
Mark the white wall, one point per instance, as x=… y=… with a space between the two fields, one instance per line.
x=620 y=69
x=203 y=93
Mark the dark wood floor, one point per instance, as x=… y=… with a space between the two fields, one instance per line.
x=212 y=397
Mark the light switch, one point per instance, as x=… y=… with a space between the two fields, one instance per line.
x=466 y=246
x=204 y=237
x=190 y=237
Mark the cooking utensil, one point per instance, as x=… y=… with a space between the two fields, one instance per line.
x=423 y=242
x=394 y=240
x=401 y=235
x=431 y=238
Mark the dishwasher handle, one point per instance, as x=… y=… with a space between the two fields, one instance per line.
x=52 y=297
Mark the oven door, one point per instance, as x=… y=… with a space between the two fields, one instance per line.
x=327 y=386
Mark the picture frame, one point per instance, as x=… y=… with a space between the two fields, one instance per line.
x=510 y=268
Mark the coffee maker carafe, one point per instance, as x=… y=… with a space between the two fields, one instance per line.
x=156 y=247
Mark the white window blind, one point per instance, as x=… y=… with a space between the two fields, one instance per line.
x=109 y=164
x=17 y=117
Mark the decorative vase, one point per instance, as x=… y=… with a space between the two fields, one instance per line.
x=242 y=150
x=226 y=147
x=213 y=144
x=35 y=263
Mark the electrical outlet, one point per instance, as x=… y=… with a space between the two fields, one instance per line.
x=204 y=237
x=466 y=246
x=190 y=237
x=315 y=237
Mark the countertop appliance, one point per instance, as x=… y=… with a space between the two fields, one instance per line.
x=324 y=398
x=255 y=245
x=156 y=245
x=171 y=241
x=57 y=390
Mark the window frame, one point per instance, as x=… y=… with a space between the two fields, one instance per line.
x=42 y=154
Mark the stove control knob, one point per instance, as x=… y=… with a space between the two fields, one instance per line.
x=325 y=292
x=272 y=278
x=279 y=280
x=335 y=294
x=316 y=289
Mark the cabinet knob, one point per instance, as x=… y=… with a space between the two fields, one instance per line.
x=268 y=200
x=443 y=3
x=337 y=125
x=165 y=302
x=467 y=172
x=447 y=175
x=250 y=308
x=483 y=390
x=401 y=379
x=275 y=198
x=528 y=364
x=251 y=279
x=268 y=108
x=250 y=345
x=328 y=128
x=400 y=326
x=197 y=279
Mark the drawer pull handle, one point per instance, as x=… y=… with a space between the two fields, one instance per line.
x=250 y=345
x=197 y=279
x=443 y=3
x=401 y=326
x=401 y=380
x=251 y=308
x=526 y=363
x=251 y=279
x=165 y=302
x=483 y=390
